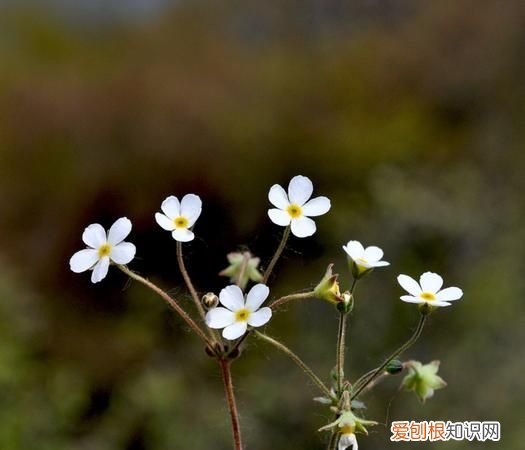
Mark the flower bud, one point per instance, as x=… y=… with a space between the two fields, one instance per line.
x=210 y=300
x=347 y=303
x=328 y=287
x=423 y=379
x=242 y=269
x=394 y=366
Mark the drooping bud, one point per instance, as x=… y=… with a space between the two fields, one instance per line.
x=328 y=287
x=210 y=300
x=242 y=269
x=394 y=366
x=423 y=379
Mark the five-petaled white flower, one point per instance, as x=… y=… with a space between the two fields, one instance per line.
x=295 y=208
x=366 y=258
x=179 y=217
x=238 y=313
x=428 y=290
x=103 y=249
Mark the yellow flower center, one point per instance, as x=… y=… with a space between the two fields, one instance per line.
x=180 y=222
x=347 y=429
x=104 y=250
x=242 y=315
x=295 y=211
x=428 y=296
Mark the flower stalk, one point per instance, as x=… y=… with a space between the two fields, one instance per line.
x=170 y=301
x=377 y=372
x=277 y=254
x=309 y=372
x=232 y=405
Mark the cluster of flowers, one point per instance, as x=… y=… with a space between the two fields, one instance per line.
x=293 y=208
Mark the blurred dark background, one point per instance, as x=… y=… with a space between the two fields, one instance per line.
x=409 y=115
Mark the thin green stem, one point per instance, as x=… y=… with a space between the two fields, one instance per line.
x=309 y=372
x=399 y=351
x=232 y=405
x=288 y=298
x=332 y=444
x=187 y=280
x=340 y=355
x=170 y=301
x=276 y=255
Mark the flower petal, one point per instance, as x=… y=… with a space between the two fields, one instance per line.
x=94 y=235
x=119 y=231
x=83 y=260
x=303 y=227
x=354 y=249
x=373 y=254
x=256 y=297
x=278 y=197
x=430 y=282
x=100 y=270
x=234 y=331
x=171 y=207
x=450 y=294
x=439 y=303
x=191 y=208
x=409 y=284
x=300 y=190
x=123 y=253
x=347 y=440
x=259 y=318
x=232 y=297
x=219 y=317
x=183 y=235
x=279 y=217
x=316 y=206
x=411 y=299
x=164 y=222
x=379 y=264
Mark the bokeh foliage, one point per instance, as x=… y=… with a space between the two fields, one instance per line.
x=408 y=115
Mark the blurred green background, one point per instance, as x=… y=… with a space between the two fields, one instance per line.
x=409 y=115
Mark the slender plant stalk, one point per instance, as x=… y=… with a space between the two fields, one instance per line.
x=309 y=372
x=169 y=300
x=276 y=255
x=288 y=298
x=214 y=335
x=399 y=351
x=332 y=444
x=232 y=406
x=188 y=282
x=340 y=356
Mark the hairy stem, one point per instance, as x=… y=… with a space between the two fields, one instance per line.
x=276 y=255
x=288 y=298
x=232 y=406
x=309 y=372
x=169 y=300
x=182 y=267
x=375 y=373
x=188 y=282
x=340 y=355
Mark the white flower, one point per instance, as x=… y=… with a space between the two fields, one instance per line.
x=428 y=290
x=347 y=440
x=103 y=249
x=367 y=258
x=238 y=314
x=179 y=217
x=295 y=208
